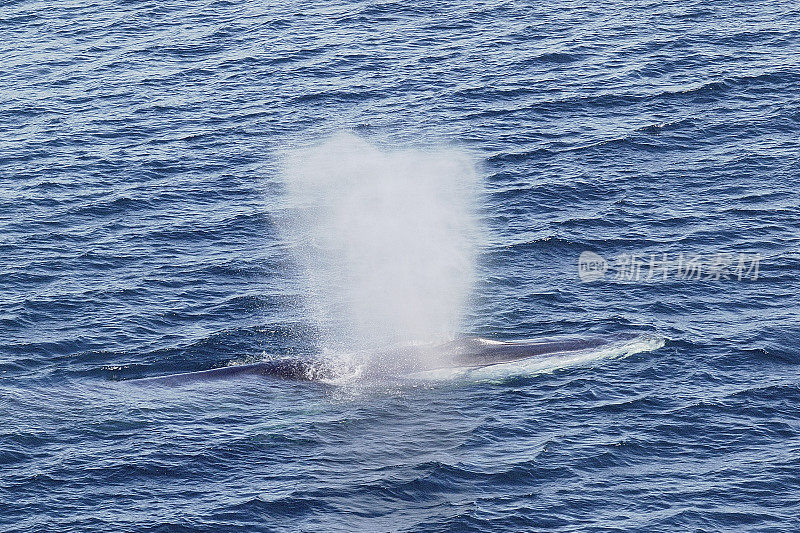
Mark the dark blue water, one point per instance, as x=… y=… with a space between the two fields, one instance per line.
x=140 y=188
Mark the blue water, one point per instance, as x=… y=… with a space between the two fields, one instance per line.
x=140 y=188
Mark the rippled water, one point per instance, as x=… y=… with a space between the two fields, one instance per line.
x=140 y=190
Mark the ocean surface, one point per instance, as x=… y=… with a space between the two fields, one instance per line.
x=640 y=171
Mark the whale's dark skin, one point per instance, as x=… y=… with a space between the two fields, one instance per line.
x=287 y=369
x=468 y=352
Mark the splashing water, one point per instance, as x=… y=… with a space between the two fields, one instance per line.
x=386 y=239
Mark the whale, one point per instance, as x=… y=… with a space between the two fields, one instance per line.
x=467 y=353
